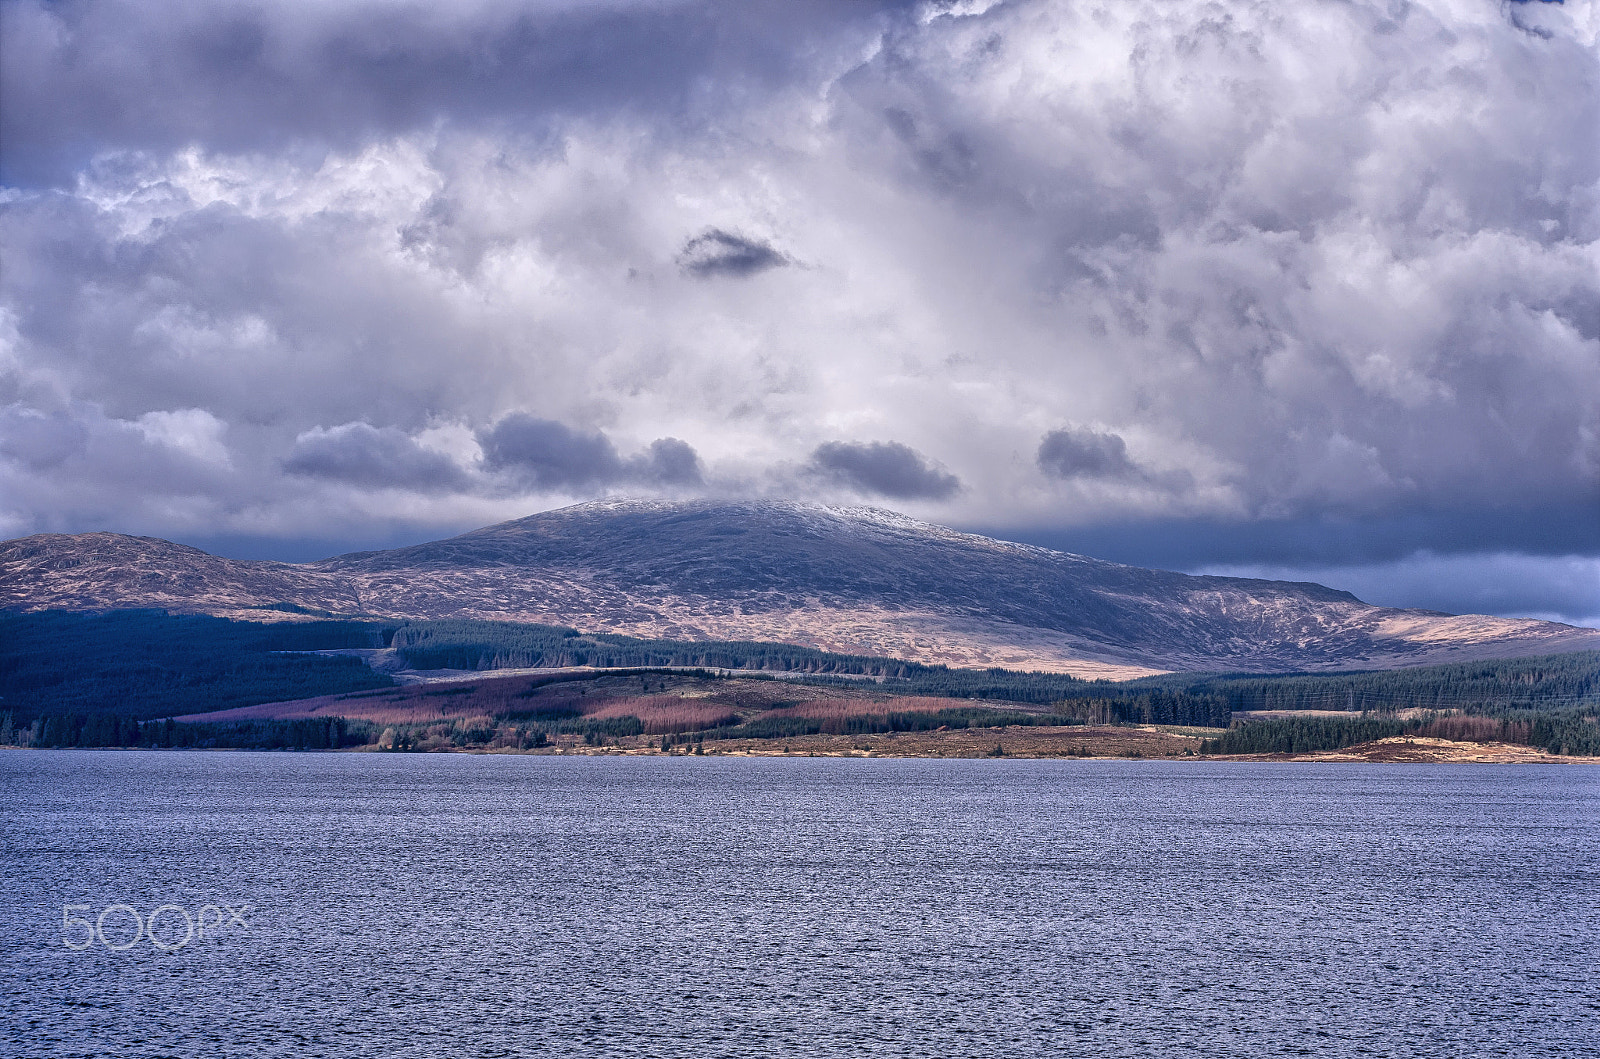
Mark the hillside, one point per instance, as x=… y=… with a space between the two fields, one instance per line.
x=856 y=580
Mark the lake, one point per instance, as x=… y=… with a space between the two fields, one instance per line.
x=452 y=905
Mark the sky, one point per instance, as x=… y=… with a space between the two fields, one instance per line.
x=1308 y=291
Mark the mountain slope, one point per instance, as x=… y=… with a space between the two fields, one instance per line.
x=852 y=579
x=89 y=571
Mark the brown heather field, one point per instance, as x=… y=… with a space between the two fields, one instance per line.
x=502 y=714
x=665 y=714
x=665 y=703
x=526 y=714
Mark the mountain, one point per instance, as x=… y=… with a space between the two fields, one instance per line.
x=91 y=571
x=849 y=579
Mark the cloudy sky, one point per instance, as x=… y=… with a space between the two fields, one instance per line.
x=1306 y=290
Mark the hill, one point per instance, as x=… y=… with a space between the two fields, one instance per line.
x=853 y=580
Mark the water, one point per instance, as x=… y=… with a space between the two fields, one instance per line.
x=505 y=906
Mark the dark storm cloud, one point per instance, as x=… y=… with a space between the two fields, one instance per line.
x=544 y=454
x=364 y=455
x=668 y=461
x=1555 y=529
x=1510 y=561
x=1083 y=453
x=80 y=76
x=549 y=455
x=1562 y=588
x=1531 y=24
x=719 y=253
x=880 y=468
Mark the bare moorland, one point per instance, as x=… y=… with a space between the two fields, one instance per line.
x=682 y=713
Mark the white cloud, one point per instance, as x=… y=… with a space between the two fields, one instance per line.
x=1304 y=262
x=192 y=431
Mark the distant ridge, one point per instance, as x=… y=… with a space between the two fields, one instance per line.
x=856 y=580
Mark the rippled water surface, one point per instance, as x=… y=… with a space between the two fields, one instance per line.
x=486 y=906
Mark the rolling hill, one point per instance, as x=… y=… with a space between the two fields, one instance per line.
x=858 y=580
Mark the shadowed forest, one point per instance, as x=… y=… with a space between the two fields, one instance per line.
x=118 y=678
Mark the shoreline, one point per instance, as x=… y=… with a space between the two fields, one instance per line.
x=979 y=744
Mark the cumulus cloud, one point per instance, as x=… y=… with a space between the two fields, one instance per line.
x=548 y=454
x=81 y=74
x=76 y=468
x=1300 y=267
x=544 y=454
x=193 y=431
x=363 y=455
x=1084 y=453
x=882 y=468
x=669 y=461
x=719 y=253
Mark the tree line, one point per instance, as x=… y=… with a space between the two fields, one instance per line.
x=113 y=730
x=1543 y=682
x=1572 y=731
x=141 y=664
x=484 y=645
